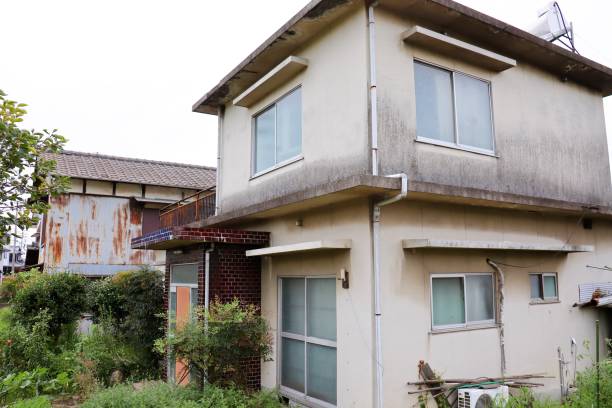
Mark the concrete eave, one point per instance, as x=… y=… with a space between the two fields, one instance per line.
x=427 y=243
x=312 y=246
x=439 y=15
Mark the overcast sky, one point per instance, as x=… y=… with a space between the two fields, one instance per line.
x=119 y=77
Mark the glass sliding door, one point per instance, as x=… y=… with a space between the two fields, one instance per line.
x=308 y=338
x=181 y=304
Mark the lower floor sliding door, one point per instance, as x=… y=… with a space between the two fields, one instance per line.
x=307 y=321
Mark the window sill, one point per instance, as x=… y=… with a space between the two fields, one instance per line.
x=278 y=166
x=543 y=301
x=454 y=146
x=462 y=329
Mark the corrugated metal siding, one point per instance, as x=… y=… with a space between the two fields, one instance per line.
x=93 y=230
x=586 y=290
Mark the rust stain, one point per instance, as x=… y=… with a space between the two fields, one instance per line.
x=56 y=243
x=120 y=231
x=81 y=240
x=136 y=257
x=61 y=201
x=94 y=248
x=94 y=210
x=135 y=215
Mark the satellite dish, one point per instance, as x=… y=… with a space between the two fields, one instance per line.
x=551 y=26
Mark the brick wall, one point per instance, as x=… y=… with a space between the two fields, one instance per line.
x=232 y=275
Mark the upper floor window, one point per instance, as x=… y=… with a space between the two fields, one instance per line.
x=453 y=108
x=278 y=132
x=543 y=286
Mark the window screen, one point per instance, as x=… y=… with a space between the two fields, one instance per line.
x=184 y=274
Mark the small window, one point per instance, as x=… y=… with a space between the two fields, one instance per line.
x=453 y=109
x=543 y=286
x=278 y=132
x=461 y=300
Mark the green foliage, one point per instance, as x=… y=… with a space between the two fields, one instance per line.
x=164 y=395
x=25 y=175
x=27 y=384
x=218 y=341
x=13 y=283
x=36 y=402
x=62 y=295
x=131 y=305
x=103 y=352
x=584 y=397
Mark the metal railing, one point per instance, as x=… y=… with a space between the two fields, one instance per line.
x=196 y=207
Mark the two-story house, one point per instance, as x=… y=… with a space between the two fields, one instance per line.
x=111 y=200
x=402 y=181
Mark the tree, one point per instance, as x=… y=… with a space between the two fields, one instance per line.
x=26 y=177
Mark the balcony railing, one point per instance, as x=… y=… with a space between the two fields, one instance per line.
x=190 y=209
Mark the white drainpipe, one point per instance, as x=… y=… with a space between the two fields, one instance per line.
x=376 y=266
x=207 y=279
x=373 y=96
x=220 y=119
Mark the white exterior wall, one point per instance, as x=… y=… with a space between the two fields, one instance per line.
x=532 y=331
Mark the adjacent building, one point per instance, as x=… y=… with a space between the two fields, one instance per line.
x=402 y=181
x=111 y=200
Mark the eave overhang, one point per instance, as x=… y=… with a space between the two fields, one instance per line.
x=440 y=15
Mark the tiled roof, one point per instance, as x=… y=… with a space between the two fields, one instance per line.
x=128 y=170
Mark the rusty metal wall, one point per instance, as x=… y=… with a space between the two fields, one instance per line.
x=95 y=231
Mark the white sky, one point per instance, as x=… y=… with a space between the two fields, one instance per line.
x=119 y=77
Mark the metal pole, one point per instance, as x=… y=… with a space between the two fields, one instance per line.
x=14 y=242
x=597 y=396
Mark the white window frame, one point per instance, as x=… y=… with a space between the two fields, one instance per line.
x=286 y=391
x=544 y=299
x=277 y=165
x=466 y=325
x=456 y=144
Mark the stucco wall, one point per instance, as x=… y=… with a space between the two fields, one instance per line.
x=334 y=121
x=533 y=331
x=549 y=135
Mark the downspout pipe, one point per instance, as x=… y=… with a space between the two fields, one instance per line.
x=500 y=288
x=373 y=101
x=207 y=280
x=376 y=271
x=220 y=119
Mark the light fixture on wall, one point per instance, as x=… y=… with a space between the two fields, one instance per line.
x=344 y=277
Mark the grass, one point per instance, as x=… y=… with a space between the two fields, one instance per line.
x=5 y=314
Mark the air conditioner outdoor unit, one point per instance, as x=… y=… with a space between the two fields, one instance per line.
x=478 y=398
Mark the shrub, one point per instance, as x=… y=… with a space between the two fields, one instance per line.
x=216 y=350
x=132 y=304
x=585 y=397
x=36 y=402
x=27 y=384
x=12 y=283
x=155 y=395
x=63 y=295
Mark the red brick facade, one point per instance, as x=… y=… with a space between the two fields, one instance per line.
x=232 y=274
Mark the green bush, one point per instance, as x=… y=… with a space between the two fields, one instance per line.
x=28 y=384
x=12 y=283
x=103 y=353
x=131 y=304
x=36 y=402
x=219 y=340
x=156 y=395
x=63 y=295
x=584 y=397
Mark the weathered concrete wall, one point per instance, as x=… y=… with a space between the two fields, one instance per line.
x=354 y=306
x=549 y=135
x=533 y=331
x=334 y=121
x=92 y=235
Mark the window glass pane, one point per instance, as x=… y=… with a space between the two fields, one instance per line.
x=550 y=287
x=292 y=370
x=479 y=294
x=448 y=302
x=321 y=373
x=321 y=308
x=289 y=126
x=265 y=124
x=172 y=311
x=434 y=103
x=473 y=106
x=186 y=274
x=293 y=305
x=536 y=287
